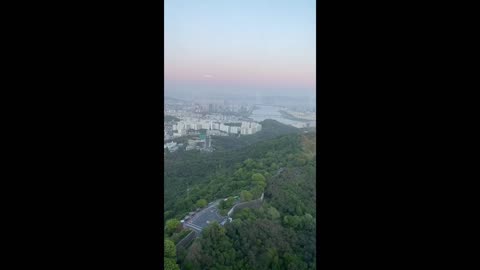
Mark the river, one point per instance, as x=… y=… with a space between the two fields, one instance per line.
x=272 y=112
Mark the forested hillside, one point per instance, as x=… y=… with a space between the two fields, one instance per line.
x=278 y=235
x=212 y=175
x=270 y=129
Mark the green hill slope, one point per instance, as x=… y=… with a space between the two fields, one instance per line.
x=279 y=235
x=270 y=130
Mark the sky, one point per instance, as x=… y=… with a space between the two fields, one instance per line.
x=240 y=47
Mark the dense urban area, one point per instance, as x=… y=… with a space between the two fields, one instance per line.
x=191 y=125
x=239 y=186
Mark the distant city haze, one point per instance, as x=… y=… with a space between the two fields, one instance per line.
x=231 y=49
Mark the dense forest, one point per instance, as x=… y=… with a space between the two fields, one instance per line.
x=280 y=161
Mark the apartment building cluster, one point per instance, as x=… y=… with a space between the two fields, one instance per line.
x=243 y=128
x=171 y=146
x=202 y=143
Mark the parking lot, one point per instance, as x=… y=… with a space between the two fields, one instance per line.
x=203 y=218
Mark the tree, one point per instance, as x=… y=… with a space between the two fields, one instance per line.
x=217 y=248
x=274 y=166
x=292 y=221
x=229 y=202
x=262 y=185
x=172 y=225
x=222 y=205
x=170 y=264
x=169 y=249
x=201 y=203
x=239 y=174
x=260 y=182
x=246 y=196
x=223 y=212
x=194 y=256
x=298 y=210
x=245 y=214
x=226 y=204
x=258 y=177
x=308 y=222
x=249 y=163
x=257 y=192
x=273 y=213
x=167 y=214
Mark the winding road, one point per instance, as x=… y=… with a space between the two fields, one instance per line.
x=204 y=217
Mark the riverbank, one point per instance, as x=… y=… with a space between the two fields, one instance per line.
x=291 y=117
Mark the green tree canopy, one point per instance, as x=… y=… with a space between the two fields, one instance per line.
x=169 y=249
x=246 y=196
x=262 y=185
x=258 y=177
x=170 y=264
x=201 y=203
x=172 y=225
x=250 y=163
x=257 y=192
x=230 y=201
x=227 y=204
x=273 y=213
x=222 y=204
x=280 y=234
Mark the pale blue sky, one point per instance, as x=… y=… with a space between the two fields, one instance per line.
x=253 y=46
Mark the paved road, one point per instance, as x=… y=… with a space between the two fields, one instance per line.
x=206 y=216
